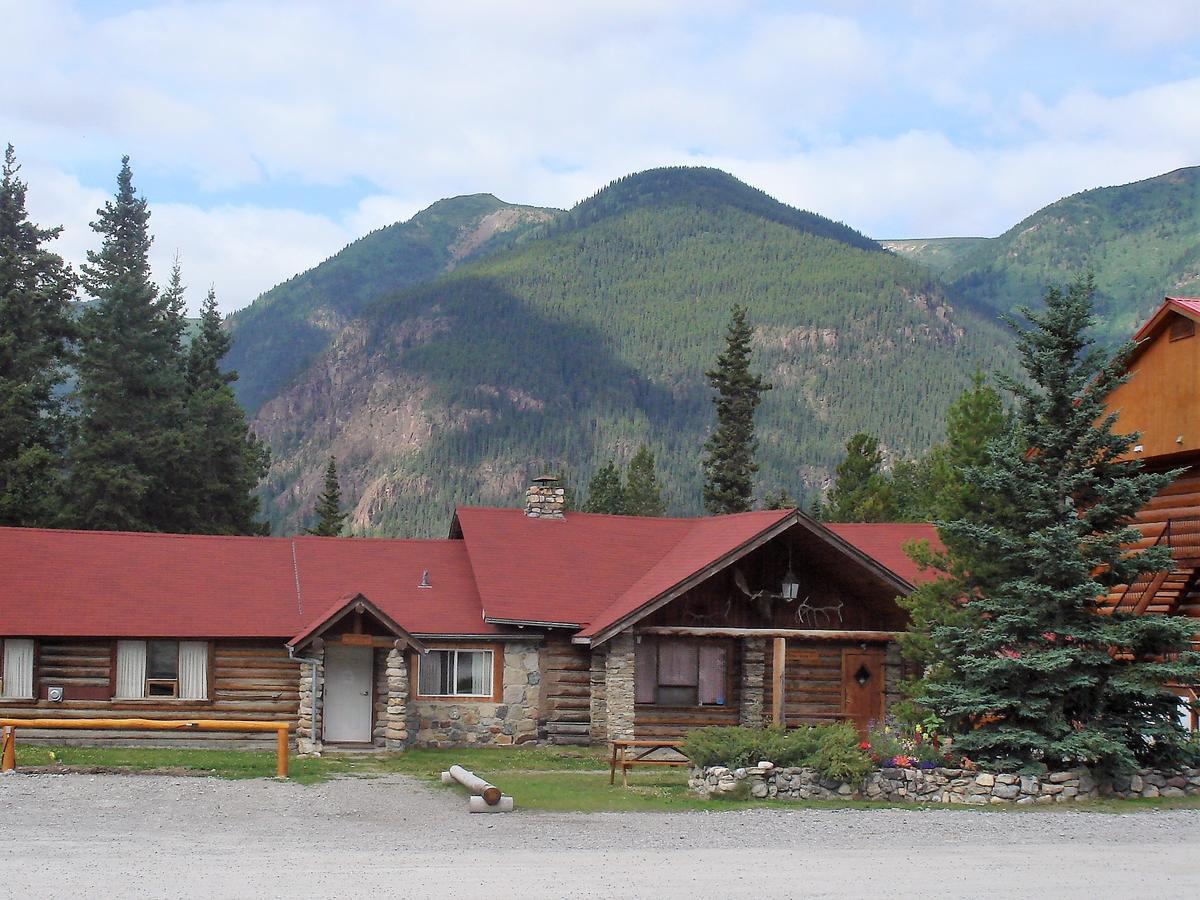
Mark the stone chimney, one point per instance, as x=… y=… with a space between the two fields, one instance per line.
x=545 y=498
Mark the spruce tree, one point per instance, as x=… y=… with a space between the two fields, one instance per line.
x=36 y=288
x=860 y=491
x=643 y=492
x=330 y=518
x=125 y=464
x=223 y=460
x=605 y=491
x=781 y=499
x=729 y=465
x=1032 y=673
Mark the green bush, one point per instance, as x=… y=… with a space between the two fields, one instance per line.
x=838 y=755
x=831 y=749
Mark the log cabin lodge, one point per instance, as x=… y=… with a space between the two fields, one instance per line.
x=529 y=624
x=522 y=625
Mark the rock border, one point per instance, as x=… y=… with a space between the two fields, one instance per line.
x=941 y=785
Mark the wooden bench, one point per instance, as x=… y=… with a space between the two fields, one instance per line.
x=642 y=756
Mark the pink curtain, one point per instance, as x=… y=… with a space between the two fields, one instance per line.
x=645 y=670
x=677 y=664
x=712 y=674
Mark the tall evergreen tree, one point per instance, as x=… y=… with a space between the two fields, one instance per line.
x=729 y=465
x=860 y=491
x=223 y=460
x=36 y=288
x=330 y=517
x=605 y=493
x=781 y=499
x=1032 y=672
x=643 y=492
x=125 y=465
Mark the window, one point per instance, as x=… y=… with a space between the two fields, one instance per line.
x=455 y=673
x=681 y=673
x=16 y=678
x=162 y=669
x=1181 y=328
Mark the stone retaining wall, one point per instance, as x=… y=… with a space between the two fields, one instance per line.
x=941 y=785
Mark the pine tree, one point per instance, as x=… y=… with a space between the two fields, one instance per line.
x=729 y=465
x=860 y=491
x=223 y=459
x=605 y=491
x=1032 y=672
x=643 y=492
x=36 y=288
x=330 y=518
x=781 y=499
x=125 y=464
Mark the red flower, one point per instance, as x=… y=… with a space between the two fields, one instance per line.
x=864 y=745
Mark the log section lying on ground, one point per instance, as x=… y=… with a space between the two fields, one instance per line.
x=476 y=785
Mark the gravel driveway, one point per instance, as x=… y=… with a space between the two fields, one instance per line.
x=118 y=836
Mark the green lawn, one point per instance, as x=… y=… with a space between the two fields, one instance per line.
x=563 y=779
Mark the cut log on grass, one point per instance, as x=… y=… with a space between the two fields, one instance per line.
x=479 y=805
x=476 y=785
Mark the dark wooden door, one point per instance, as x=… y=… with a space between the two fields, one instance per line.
x=863 y=686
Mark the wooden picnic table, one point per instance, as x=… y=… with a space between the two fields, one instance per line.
x=643 y=750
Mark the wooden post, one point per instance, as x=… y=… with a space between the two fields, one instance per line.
x=777 y=664
x=281 y=753
x=9 y=763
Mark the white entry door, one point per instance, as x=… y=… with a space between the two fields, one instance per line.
x=347 y=694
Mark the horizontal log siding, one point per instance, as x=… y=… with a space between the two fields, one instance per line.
x=252 y=680
x=671 y=722
x=812 y=683
x=566 y=697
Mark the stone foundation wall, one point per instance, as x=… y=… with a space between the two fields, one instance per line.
x=941 y=785
x=396 y=707
x=448 y=723
x=619 y=686
x=754 y=670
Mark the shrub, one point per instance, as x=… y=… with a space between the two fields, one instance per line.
x=831 y=749
x=838 y=755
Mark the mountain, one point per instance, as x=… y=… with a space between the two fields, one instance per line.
x=1142 y=240
x=591 y=334
x=285 y=328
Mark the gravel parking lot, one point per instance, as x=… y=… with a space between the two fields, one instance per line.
x=119 y=836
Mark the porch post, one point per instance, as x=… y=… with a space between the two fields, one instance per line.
x=619 y=686
x=754 y=670
x=308 y=726
x=778 y=661
x=396 y=733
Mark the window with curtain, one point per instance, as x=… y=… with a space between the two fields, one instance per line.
x=16 y=678
x=162 y=669
x=680 y=672
x=455 y=673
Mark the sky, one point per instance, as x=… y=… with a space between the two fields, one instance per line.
x=267 y=135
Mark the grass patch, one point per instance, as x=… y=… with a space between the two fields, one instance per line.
x=486 y=761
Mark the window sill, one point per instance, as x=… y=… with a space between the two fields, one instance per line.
x=696 y=706
x=460 y=698
x=135 y=702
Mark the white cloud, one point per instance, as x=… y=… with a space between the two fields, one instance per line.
x=902 y=119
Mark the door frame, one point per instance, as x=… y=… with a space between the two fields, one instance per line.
x=370 y=696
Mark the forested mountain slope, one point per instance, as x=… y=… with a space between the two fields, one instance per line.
x=281 y=332
x=1142 y=240
x=592 y=334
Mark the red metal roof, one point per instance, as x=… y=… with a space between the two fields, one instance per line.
x=585 y=571
x=884 y=542
x=1187 y=306
x=104 y=583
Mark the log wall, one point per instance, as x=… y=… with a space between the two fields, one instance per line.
x=247 y=680
x=566 y=696
x=812 y=683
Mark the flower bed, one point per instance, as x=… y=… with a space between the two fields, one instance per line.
x=938 y=785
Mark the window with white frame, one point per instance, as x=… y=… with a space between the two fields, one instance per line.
x=455 y=673
x=16 y=676
x=164 y=669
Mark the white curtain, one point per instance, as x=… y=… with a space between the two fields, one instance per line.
x=481 y=673
x=131 y=670
x=193 y=670
x=18 y=668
